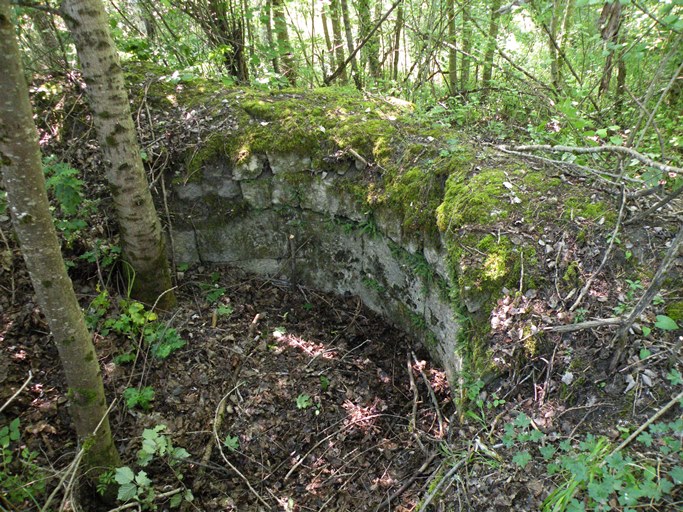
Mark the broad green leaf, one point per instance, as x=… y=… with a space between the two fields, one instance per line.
x=124 y=475
x=127 y=492
x=666 y=323
x=142 y=479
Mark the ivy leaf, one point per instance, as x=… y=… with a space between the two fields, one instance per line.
x=666 y=323
x=522 y=459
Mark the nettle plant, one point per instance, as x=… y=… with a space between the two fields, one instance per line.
x=137 y=486
x=593 y=475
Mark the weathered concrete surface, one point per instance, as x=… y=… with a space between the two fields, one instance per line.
x=275 y=216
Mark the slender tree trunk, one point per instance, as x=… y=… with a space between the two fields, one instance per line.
x=24 y=182
x=337 y=33
x=349 y=43
x=269 y=35
x=370 y=52
x=466 y=46
x=397 y=41
x=55 y=55
x=610 y=21
x=141 y=236
x=452 y=54
x=283 y=43
x=328 y=40
x=491 y=44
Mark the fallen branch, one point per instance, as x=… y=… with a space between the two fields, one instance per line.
x=649 y=422
x=598 y=149
x=590 y=324
x=647 y=297
x=432 y=395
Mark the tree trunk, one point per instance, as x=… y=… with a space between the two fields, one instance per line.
x=466 y=46
x=24 y=182
x=452 y=54
x=283 y=43
x=337 y=34
x=141 y=236
x=397 y=41
x=370 y=51
x=269 y=35
x=610 y=22
x=54 y=55
x=328 y=40
x=349 y=42
x=491 y=44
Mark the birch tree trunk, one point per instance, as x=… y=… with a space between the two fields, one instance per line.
x=24 y=182
x=141 y=236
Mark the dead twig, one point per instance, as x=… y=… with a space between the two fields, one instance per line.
x=17 y=392
x=588 y=284
x=647 y=297
x=590 y=324
x=407 y=483
x=649 y=422
x=622 y=150
x=432 y=395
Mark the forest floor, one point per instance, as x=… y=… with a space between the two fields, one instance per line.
x=319 y=405
x=324 y=406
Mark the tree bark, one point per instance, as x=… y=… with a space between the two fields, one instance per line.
x=141 y=236
x=397 y=41
x=349 y=43
x=268 y=6
x=452 y=52
x=466 y=46
x=328 y=40
x=370 y=52
x=610 y=22
x=337 y=34
x=24 y=182
x=491 y=44
x=283 y=43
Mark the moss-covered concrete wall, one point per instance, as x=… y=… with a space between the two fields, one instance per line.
x=360 y=195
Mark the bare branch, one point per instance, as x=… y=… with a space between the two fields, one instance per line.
x=599 y=149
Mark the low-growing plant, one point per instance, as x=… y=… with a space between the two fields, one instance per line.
x=21 y=479
x=135 y=322
x=137 y=486
x=595 y=476
x=142 y=397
